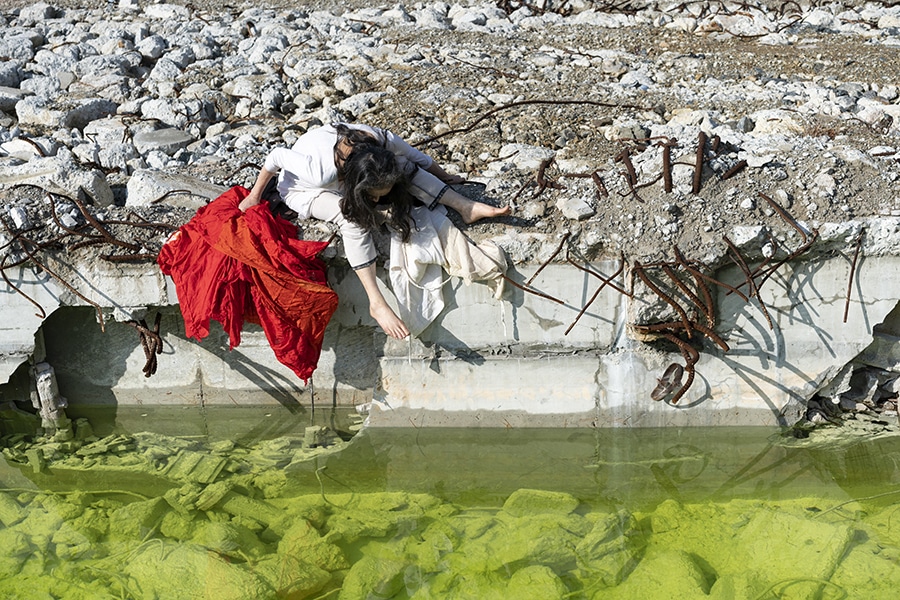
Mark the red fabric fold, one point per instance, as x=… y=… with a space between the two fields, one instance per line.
x=235 y=266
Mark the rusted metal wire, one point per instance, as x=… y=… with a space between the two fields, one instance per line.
x=172 y=193
x=3 y=266
x=559 y=248
x=639 y=271
x=104 y=232
x=33 y=258
x=856 y=252
x=698 y=164
x=751 y=283
x=605 y=281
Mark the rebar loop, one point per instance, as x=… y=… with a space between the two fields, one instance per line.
x=151 y=342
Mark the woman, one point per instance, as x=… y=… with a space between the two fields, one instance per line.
x=348 y=174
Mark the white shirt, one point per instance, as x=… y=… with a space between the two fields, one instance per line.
x=309 y=165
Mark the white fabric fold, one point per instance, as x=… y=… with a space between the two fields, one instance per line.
x=417 y=267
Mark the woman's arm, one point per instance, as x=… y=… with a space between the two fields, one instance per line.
x=255 y=196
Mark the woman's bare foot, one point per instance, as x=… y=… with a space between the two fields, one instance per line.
x=388 y=321
x=475 y=211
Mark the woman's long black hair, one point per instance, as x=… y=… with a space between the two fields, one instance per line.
x=367 y=165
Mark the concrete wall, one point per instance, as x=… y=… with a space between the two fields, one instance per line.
x=483 y=363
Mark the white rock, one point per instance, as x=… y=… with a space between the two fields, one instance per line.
x=526 y=157
x=152 y=47
x=145 y=187
x=60 y=175
x=167 y=12
x=19 y=218
x=360 y=103
x=574 y=208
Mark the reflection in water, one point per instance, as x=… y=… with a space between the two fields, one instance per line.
x=253 y=509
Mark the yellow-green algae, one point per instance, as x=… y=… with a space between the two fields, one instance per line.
x=285 y=522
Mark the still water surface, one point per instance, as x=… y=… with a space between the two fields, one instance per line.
x=444 y=513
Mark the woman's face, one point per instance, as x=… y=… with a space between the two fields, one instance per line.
x=377 y=194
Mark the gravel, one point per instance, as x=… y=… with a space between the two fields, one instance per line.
x=566 y=113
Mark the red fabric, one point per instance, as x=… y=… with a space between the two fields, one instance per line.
x=235 y=266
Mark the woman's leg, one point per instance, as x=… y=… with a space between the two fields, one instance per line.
x=429 y=189
x=469 y=209
x=360 y=253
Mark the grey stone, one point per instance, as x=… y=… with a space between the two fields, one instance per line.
x=9 y=96
x=43 y=86
x=152 y=47
x=17 y=47
x=145 y=187
x=59 y=174
x=168 y=140
x=10 y=74
x=574 y=208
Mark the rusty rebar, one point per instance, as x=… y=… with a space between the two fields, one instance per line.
x=639 y=271
x=657 y=328
x=698 y=164
x=598 y=181
x=549 y=260
x=708 y=305
x=786 y=216
x=667 y=164
x=859 y=240
x=624 y=157
x=734 y=170
x=751 y=283
x=605 y=281
x=590 y=271
x=531 y=291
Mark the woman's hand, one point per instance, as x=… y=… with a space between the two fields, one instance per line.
x=255 y=195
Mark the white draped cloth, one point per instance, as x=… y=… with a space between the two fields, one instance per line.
x=417 y=267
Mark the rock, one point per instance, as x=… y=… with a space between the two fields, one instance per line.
x=134 y=521
x=60 y=175
x=168 y=140
x=575 y=208
x=147 y=186
x=170 y=570
x=609 y=552
x=33 y=110
x=536 y=582
x=526 y=502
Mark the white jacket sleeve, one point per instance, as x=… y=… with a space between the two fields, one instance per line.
x=303 y=170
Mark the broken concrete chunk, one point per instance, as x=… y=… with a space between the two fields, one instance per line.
x=194 y=466
x=530 y=502
x=135 y=520
x=169 y=140
x=60 y=175
x=149 y=187
x=11 y=512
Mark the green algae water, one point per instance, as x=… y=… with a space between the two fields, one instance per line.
x=254 y=504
